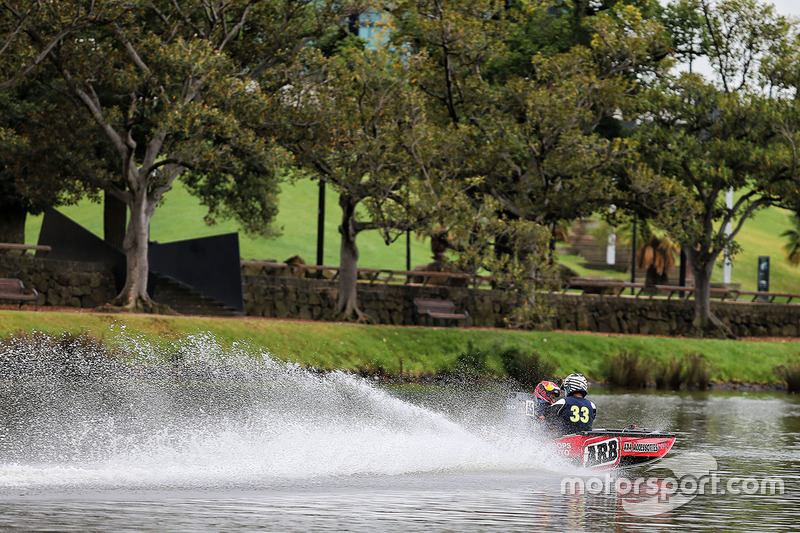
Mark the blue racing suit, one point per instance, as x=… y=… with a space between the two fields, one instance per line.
x=572 y=414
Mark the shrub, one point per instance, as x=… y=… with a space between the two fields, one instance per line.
x=628 y=369
x=670 y=375
x=698 y=370
x=526 y=368
x=472 y=362
x=790 y=373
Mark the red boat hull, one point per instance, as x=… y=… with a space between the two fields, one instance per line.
x=615 y=448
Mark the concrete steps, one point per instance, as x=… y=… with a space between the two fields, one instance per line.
x=185 y=300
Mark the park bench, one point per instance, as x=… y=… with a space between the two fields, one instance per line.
x=22 y=248
x=439 y=309
x=13 y=289
x=769 y=296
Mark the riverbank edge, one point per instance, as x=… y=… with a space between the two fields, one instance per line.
x=417 y=353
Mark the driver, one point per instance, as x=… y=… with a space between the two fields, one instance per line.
x=573 y=413
x=546 y=393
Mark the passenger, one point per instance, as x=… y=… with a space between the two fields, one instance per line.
x=546 y=393
x=573 y=413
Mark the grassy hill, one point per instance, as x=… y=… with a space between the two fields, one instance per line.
x=760 y=235
x=181 y=217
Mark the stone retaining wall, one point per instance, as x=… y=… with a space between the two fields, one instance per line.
x=315 y=299
x=287 y=297
x=610 y=314
x=87 y=285
x=61 y=283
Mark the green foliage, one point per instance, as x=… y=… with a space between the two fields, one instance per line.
x=170 y=92
x=670 y=374
x=698 y=371
x=628 y=369
x=705 y=137
x=487 y=122
x=423 y=350
x=360 y=112
x=44 y=148
x=527 y=368
x=472 y=361
x=790 y=374
x=631 y=369
x=693 y=370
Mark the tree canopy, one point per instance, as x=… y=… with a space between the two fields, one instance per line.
x=736 y=132
x=174 y=91
x=484 y=123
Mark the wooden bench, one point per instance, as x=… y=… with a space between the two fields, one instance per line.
x=439 y=309
x=22 y=248
x=13 y=289
x=769 y=296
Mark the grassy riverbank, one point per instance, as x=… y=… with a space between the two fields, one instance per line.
x=418 y=350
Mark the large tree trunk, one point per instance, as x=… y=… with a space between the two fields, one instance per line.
x=12 y=224
x=705 y=321
x=347 y=303
x=134 y=294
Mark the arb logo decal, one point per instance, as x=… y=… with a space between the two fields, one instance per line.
x=601 y=453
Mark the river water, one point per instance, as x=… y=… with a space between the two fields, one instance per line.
x=222 y=442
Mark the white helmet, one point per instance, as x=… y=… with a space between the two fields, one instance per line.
x=575 y=383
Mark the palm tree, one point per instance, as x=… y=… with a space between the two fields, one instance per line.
x=792 y=246
x=656 y=257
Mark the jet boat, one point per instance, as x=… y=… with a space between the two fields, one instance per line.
x=600 y=448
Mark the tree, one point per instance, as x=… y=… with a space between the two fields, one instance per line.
x=17 y=59
x=38 y=133
x=456 y=152
x=43 y=157
x=347 y=117
x=528 y=114
x=706 y=137
x=177 y=92
x=560 y=165
x=550 y=28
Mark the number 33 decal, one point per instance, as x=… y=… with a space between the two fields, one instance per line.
x=579 y=414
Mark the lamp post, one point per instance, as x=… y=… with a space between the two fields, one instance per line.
x=633 y=255
x=726 y=262
x=321 y=222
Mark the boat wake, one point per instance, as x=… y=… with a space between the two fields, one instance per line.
x=228 y=417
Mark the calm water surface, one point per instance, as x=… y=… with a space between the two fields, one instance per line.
x=280 y=449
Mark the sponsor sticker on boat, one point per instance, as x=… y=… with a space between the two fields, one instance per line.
x=640 y=447
x=601 y=453
x=530 y=408
x=564 y=449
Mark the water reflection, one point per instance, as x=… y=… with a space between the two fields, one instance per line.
x=283 y=449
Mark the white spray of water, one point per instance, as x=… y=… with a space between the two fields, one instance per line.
x=231 y=417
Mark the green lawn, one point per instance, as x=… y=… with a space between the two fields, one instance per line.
x=181 y=217
x=761 y=235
